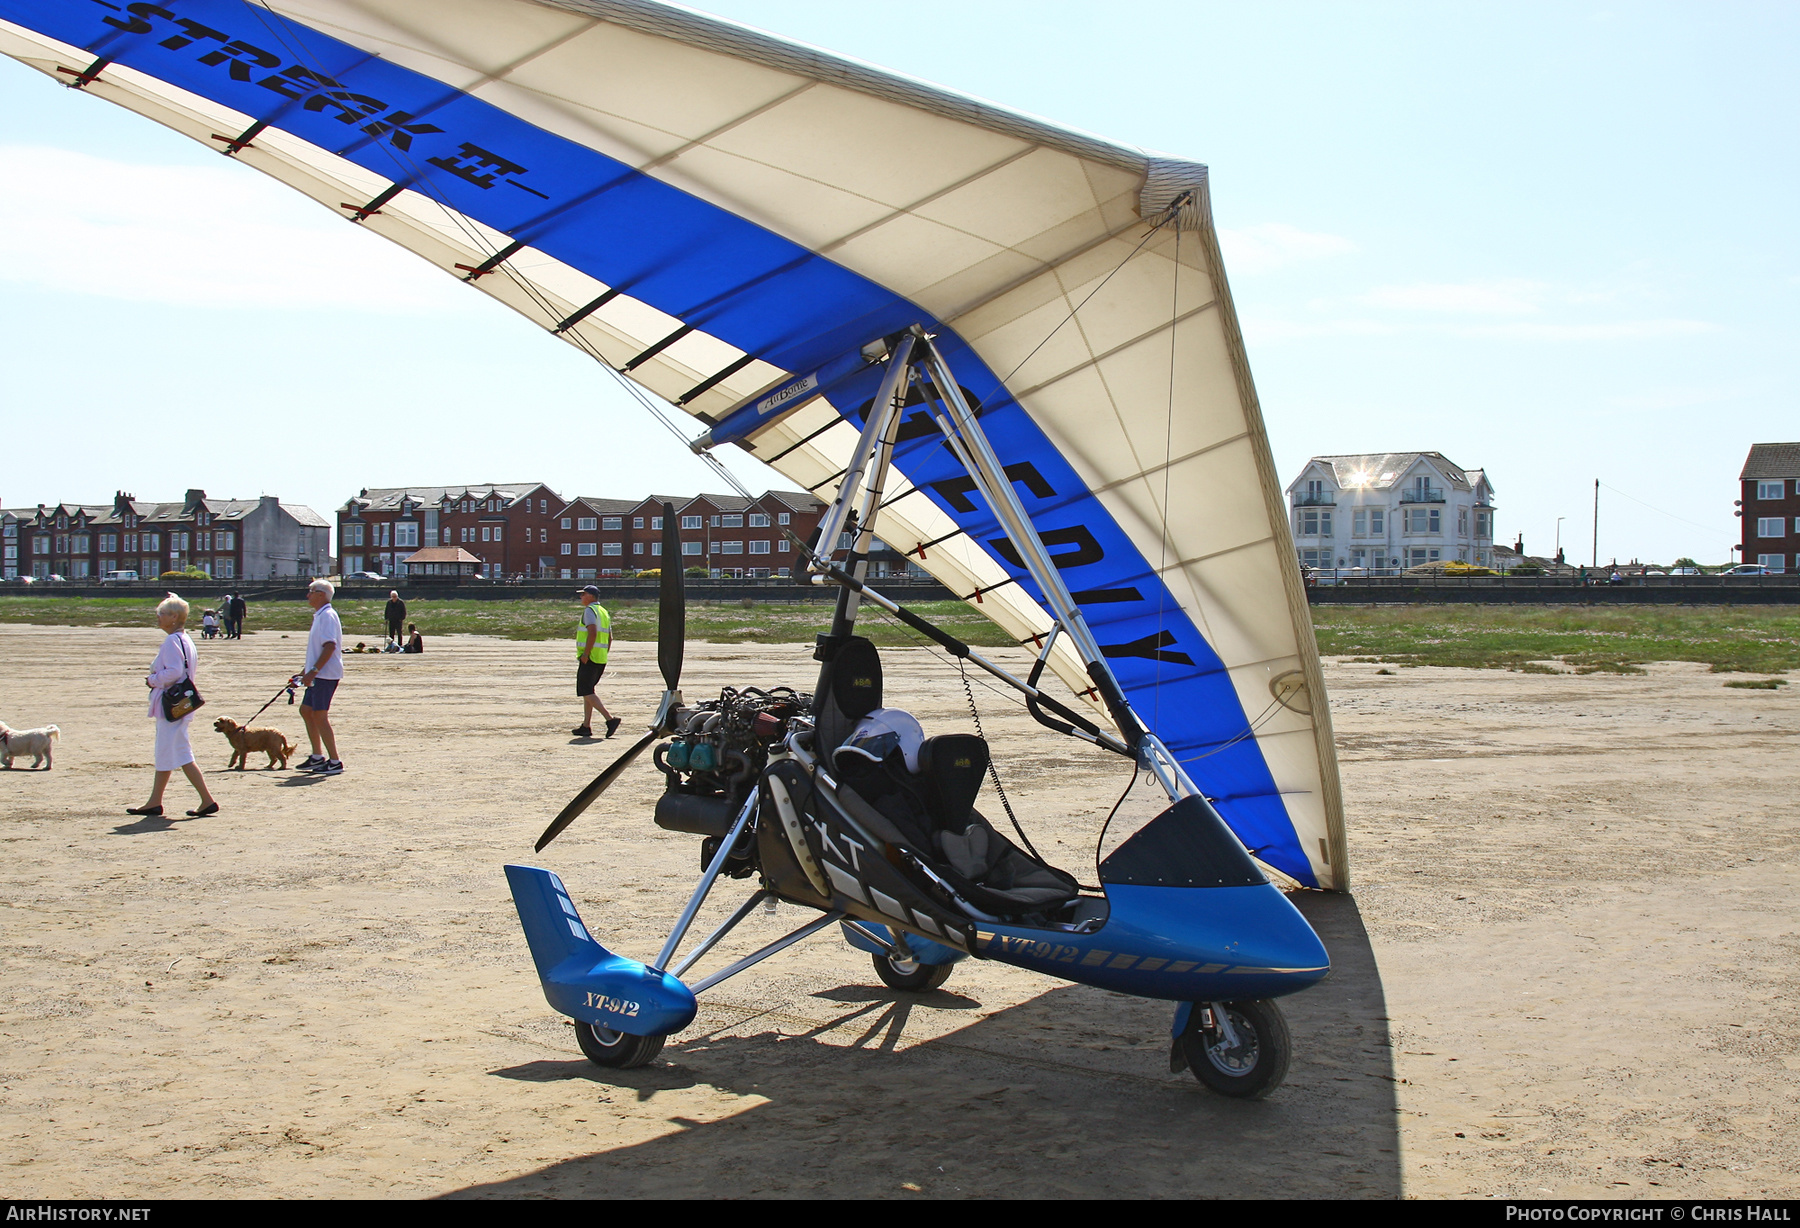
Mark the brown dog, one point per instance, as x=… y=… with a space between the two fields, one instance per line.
x=271 y=742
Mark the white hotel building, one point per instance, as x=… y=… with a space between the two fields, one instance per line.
x=1388 y=511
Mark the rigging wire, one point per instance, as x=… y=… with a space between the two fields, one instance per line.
x=993 y=772
x=931 y=646
x=1167 y=218
x=421 y=183
x=1106 y=826
x=1660 y=512
x=1162 y=589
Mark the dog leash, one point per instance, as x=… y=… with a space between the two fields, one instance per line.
x=287 y=689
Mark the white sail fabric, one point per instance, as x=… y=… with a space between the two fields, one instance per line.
x=717 y=211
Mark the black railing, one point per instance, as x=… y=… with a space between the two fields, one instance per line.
x=1422 y=494
x=1325 y=499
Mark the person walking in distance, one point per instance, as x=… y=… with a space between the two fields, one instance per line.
x=593 y=640
x=238 y=610
x=396 y=616
x=324 y=670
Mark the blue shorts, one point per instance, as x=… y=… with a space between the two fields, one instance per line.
x=318 y=695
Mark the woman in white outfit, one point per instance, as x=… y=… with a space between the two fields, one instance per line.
x=175 y=660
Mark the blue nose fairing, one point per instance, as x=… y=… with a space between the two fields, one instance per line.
x=1185 y=944
x=581 y=978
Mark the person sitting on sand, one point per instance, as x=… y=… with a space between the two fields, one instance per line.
x=414 y=641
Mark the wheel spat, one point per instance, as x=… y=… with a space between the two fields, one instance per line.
x=671 y=642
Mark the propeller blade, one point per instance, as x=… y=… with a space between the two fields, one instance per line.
x=582 y=800
x=671 y=614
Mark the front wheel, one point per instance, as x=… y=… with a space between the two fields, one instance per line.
x=910 y=973
x=621 y=1050
x=1251 y=1060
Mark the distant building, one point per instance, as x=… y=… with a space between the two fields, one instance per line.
x=228 y=539
x=441 y=561
x=380 y=528
x=1388 y=511
x=1770 y=505
x=527 y=529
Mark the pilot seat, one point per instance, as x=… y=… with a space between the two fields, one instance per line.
x=925 y=788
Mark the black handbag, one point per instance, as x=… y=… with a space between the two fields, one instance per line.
x=182 y=698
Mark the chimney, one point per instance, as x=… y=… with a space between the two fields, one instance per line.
x=193 y=501
x=1519 y=546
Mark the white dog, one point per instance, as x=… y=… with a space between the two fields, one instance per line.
x=33 y=742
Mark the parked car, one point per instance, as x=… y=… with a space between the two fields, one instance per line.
x=1747 y=569
x=20 y=580
x=365 y=575
x=1686 y=571
x=118 y=577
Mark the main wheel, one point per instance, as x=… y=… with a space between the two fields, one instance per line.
x=910 y=973
x=621 y=1050
x=1255 y=1064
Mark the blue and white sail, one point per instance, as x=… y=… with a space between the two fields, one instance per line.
x=723 y=215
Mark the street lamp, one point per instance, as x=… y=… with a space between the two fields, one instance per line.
x=1559 y=521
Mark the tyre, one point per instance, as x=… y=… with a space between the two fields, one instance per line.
x=910 y=973
x=620 y=1050
x=1252 y=1067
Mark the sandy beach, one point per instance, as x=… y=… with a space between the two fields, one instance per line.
x=1567 y=967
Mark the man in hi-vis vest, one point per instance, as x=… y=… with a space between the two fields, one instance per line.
x=593 y=640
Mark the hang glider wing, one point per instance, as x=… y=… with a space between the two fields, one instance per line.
x=724 y=216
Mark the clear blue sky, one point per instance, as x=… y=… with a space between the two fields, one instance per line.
x=1556 y=241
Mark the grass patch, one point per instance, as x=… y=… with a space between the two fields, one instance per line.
x=1613 y=639
x=1758 y=684
x=722 y=622
x=1618 y=640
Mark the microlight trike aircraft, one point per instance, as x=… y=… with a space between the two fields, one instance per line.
x=1005 y=348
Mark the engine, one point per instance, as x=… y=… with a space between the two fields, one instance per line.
x=716 y=758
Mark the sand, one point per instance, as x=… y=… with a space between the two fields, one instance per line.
x=1567 y=967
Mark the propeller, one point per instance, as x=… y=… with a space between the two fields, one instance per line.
x=671 y=642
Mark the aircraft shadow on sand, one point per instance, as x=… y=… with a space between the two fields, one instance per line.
x=981 y=1112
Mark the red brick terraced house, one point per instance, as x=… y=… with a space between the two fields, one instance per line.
x=1770 y=505
x=496 y=522
x=727 y=535
x=528 y=530
x=592 y=537
x=228 y=539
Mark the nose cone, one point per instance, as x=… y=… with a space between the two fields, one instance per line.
x=1249 y=942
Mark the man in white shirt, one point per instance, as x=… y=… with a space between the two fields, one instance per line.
x=324 y=670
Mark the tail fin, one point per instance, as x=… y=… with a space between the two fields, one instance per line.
x=553 y=928
x=584 y=980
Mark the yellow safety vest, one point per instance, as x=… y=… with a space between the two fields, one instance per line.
x=603 y=637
